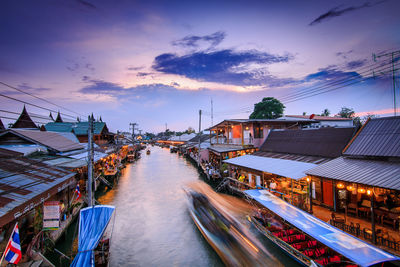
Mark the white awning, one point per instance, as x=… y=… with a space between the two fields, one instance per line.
x=283 y=167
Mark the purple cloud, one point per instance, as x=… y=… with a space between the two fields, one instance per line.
x=336 y=12
x=219 y=66
x=193 y=40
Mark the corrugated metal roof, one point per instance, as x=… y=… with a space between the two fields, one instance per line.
x=283 y=167
x=370 y=172
x=378 y=138
x=67 y=162
x=26 y=183
x=302 y=158
x=325 y=142
x=51 y=140
x=65 y=127
x=203 y=138
x=26 y=150
x=227 y=148
x=81 y=128
x=183 y=137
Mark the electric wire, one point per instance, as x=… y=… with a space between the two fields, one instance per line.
x=45 y=100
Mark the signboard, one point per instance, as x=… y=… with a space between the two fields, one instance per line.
x=51 y=215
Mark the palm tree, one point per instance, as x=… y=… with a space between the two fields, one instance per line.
x=325 y=112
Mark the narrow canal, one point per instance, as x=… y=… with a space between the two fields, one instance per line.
x=152 y=225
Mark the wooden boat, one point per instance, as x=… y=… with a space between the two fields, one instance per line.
x=308 y=240
x=225 y=234
x=148 y=152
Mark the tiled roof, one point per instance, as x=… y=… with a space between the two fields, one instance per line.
x=378 y=138
x=24 y=121
x=2 y=128
x=324 y=142
x=320 y=118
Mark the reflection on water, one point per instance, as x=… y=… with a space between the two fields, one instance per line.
x=152 y=225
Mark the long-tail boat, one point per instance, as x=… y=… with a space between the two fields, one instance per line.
x=309 y=240
x=226 y=235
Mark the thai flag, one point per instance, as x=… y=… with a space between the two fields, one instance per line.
x=13 y=250
x=78 y=192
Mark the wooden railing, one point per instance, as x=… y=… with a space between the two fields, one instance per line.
x=367 y=235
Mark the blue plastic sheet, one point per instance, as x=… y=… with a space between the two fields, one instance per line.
x=93 y=222
x=349 y=246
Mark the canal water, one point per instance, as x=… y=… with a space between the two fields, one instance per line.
x=152 y=224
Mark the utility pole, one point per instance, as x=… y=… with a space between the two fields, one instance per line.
x=391 y=54
x=166 y=127
x=198 y=159
x=133 y=129
x=90 y=162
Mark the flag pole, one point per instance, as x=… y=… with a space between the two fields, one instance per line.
x=9 y=240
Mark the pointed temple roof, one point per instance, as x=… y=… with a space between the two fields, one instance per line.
x=51 y=116
x=2 y=128
x=24 y=121
x=58 y=119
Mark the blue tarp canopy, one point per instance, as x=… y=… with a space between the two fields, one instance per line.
x=349 y=246
x=93 y=222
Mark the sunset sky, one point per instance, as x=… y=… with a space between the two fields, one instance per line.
x=157 y=62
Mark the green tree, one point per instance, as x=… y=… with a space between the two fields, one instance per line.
x=268 y=108
x=346 y=112
x=326 y=112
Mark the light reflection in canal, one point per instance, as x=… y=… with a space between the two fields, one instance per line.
x=152 y=225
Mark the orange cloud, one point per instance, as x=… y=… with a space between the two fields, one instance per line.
x=388 y=111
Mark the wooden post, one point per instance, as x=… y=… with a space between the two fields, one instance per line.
x=227 y=133
x=217 y=134
x=310 y=194
x=241 y=125
x=373 y=218
x=291 y=199
x=334 y=195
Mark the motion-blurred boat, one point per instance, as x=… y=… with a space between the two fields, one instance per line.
x=225 y=234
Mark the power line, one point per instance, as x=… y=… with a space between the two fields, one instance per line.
x=47 y=101
x=34 y=105
x=326 y=89
x=330 y=84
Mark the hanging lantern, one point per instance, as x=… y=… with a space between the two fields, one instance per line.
x=361 y=190
x=308 y=179
x=340 y=186
x=369 y=192
x=350 y=188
